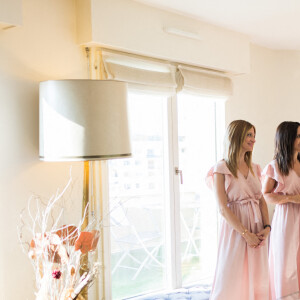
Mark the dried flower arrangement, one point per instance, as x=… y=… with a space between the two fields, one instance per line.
x=56 y=251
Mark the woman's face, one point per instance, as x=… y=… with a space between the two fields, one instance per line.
x=250 y=140
x=297 y=141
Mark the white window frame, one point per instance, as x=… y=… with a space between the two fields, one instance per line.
x=173 y=238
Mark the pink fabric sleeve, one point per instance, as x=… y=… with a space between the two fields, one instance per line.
x=221 y=168
x=271 y=170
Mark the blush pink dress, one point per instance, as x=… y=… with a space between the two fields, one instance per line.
x=284 y=256
x=241 y=272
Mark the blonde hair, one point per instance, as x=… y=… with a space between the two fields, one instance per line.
x=235 y=136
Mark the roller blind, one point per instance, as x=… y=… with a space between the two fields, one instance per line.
x=200 y=82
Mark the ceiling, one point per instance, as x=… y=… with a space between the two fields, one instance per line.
x=273 y=24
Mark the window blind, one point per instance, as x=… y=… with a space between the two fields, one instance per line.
x=158 y=77
x=141 y=74
x=201 y=82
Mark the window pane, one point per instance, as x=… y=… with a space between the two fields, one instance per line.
x=137 y=195
x=198 y=215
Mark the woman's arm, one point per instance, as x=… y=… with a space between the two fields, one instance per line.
x=220 y=194
x=262 y=235
x=264 y=211
x=269 y=186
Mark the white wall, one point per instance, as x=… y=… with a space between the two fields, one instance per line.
x=254 y=98
x=44 y=47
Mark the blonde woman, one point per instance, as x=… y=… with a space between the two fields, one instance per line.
x=242 y=265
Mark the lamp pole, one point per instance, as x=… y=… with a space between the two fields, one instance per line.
x=93 y=183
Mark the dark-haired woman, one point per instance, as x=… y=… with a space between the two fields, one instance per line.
x=242 y=265
x=282 y=187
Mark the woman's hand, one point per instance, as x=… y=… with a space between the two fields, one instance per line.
x=263 y=234
x=252 y=239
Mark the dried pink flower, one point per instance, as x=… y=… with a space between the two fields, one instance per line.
x=56 y=274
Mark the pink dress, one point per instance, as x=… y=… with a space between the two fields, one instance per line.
x=241 y=272
x=284 y=256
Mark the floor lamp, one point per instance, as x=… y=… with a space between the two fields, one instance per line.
x=84 y=120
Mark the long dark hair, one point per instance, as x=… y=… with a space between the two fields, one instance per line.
x=286 y=134
x=234 y=139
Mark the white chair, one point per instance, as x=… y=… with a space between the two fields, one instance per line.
x=133 y=229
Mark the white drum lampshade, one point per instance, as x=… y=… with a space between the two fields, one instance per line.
x=83 y=120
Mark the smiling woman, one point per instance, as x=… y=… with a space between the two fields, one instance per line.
x=242 y=255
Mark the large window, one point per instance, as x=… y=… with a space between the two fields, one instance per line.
x=160 y=225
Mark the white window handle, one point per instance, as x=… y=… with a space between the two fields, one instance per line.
x=177 y=171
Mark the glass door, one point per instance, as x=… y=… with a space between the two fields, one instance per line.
x=198 y=214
